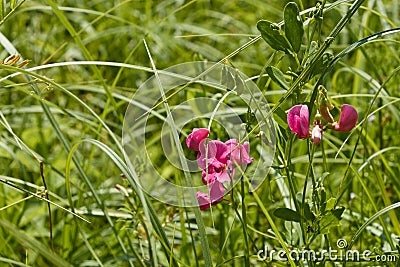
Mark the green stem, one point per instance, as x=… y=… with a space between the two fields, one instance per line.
x=272 y=224
x=328 y=41
x=189 y=182
x=244 y=225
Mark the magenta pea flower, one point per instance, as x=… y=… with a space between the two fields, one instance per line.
x=217 y=161
x=213 y=153
x=216 y=194
x=196 y=137
x=347 y=120
x=222 y=175
x=298 y=120
x=239 y=153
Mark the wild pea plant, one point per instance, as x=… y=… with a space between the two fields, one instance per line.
x=314 y=214
x=289 y=142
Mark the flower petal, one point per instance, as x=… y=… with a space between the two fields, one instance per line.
x=204 y=200
x=239 y=154
x=293 y=118
x=216 y=195
x=298 y=120
x=210 y=176
x=304 y=122
x=222 y=151
x=226 y=175
x=216 y=192
x=348 y=119
x=194 y=139
x=213 y=153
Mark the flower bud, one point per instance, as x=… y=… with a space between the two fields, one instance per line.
x=316 y=134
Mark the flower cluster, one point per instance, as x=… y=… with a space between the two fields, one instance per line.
x=218 y=161
x=298 y=120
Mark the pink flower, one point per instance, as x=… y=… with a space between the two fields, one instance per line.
x=222 y=175
x=198 y=135
x=213 y=153
x=239 y=154
x=316 y=134
x=218 y=161
x=348 y=119
x=221 y=159
x=298 y=120
x=216 y=194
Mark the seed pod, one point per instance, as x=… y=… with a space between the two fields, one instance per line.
x=324 y=110
x=23 y=63
x=11 y=60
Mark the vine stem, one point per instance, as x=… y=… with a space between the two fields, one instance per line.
x=46 y=192
x=328 y=41
x=300 y=79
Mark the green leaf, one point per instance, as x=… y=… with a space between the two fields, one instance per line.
x=329 y=220
x=308 y=213
x=330 y=204
x=313 y=48
x=338 y=212
x=250 y=118
x=27 y=241
x=227 y=78
x=13 y=3
x=280 y=117
x=322 y=200
x=278 y=77
x=321 y=64
x=323 y=176
x=240 y=84
x=293 y=25
x=271 y=34
x=2 y=10
x=287 y=214
x=323 y=195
